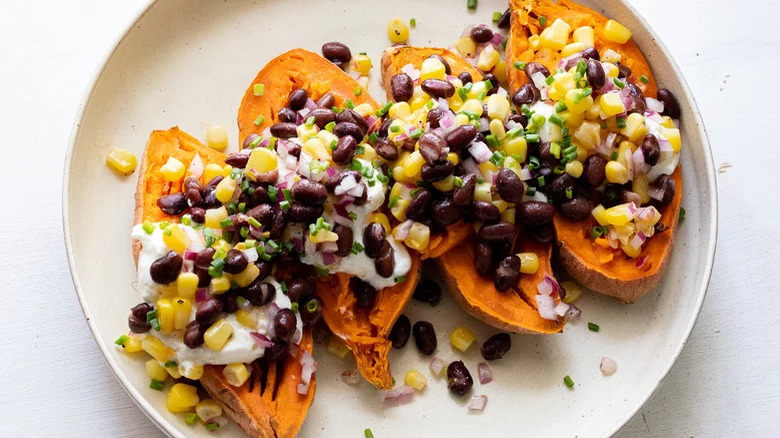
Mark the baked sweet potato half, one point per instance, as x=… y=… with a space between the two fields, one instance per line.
x=364 y=331
x=602 y=268
x=268 y=404
x=453 y=248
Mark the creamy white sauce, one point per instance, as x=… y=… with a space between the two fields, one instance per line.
x=668 y=160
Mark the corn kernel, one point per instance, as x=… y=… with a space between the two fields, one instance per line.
x=482 y=192
x=361 y=64
x=616 y=173
x=570 y=49
x=513 y=165
x=414 y=164
x=323 y=236
x=337 y=347
x=500 y=204
x=397 y=30
x=516 y=146
x=155 y=370
x=582 y=153
x=248 y=318
x=211 y=171
x=573 y=291
x=400 y=110
x=533 y=42
x=453 y=158
x=220 y=285
x=612 y=104
x=641 y=186
x=368 y=154
x=617 y=215
x=477 y=89
x=176 y=239
x=497 y=107
x=194 y=372
x=611 y=56
x=497 y=129
x=488 y=167
x=473 y=106
x=593 y=112
x=181 y=312
x=225 y=190
x=555 y=36
x=574 y=168
x=381 y=218
x=172 y=170
x=418 y=236
x=247 y=276
x=635 y=129
x=446 y=184
x=589 y=135
x=432 y=68
x=235 y=374
x=529 y=262
x=187 y=284
x=462 y=338
x=563 y=83
x=488 y=58
x=578 y=106
x=208 y=410
x=415 y=379
x=216 y=137
x=261 y=160
x=364 y=109
x=181 y=398
x=616 y=32
x=218 y=334
x=155 y=348
x=508 y=215
x=214 y=216
x=455 y=102
x=584 y=35
x=673 y=135
x=121 y=161
x=165 y=315
x=399 y=209
x=418 y=102
x=132 y=344
x=625 y=149
x=466 y=47
x=599 y=213
x=461 y=119
x=667 y=122
x=499 y=71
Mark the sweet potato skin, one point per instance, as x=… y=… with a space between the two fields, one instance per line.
x=257 y=415
x=618 y=277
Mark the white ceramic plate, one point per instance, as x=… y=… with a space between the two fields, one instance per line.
x=188 y=63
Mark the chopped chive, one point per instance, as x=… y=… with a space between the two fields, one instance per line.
x=514 y=132
x=538 y=119
x=358 y=90
x=471 y=4
x=148 y=227
x=382 y=178
x=294 y=307
x=272 y=192
x=558 y=170
x=417 y=133
x=244 y=232
x=265 y=257
x=352 y=215
x=491 y=140
x=259 y=120
x=532 y=138
x=613 y=156
x=593 y=327
x=311 y=306
x=557 y=120
x=644 y=79
x=164 y=225
x=488 y=84
x=393 y=201
x=530 y=191
x=414 y=192
x=595 y=232
x=540 y=181
x=226 y=223
x=463 y=93
x=211 y=426
x=555 y=150
x=569 y=193
x=158 y=386
x=368 y=434
x=568 y=381
x=682 y=213
x=458 y=181
x=400 y=278
x=121 y=340
x=348 y=103
x=550 y=79
x=497 y=158
x=155 y=323
x=560 y=107
x=191 y=418
x=321 y=270
x=503 y=43
x=284 y=205
x=480 y=180
x=395 y=128
x=413 y=22
x=258 y=89
x=274 y=246
x=618 y=83
x=621 y=122
x=254 y=222
x=150 y=315
x=519 y=65
x=542 y=20
x=355 y=165
x=385 y=108
x=171 y=364
x=357 y=248
x=533 y=163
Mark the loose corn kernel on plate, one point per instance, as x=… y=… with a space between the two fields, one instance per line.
x=187 y=63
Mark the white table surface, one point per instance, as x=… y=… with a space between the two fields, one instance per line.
x=54 y=382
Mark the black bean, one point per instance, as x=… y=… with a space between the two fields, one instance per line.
x=437 y=171
x=434 y=116
x=302 y=213
x=533 y=67
x=595 y=73
x=508 y=273
x=260 y=292
x=193 y=334
x=300 y=289
x=401 y=331
x=348 y=115
x=623 y=71
x=235 y=262
x=401 y=87
x=495 y=233
x=265 y=268
x=496 y=346
x=639 y=105
x=281 y=219
x=138 y=324
x=427 y=291
x=204 y=257
x=576 y=209
x=297 y=99
x=365 y=294
x=651 y=150
x=594 y=170
x=322 y=116
x=481 y=34
x=259 y=196
x=541 y=233
x=173 y=204
x=284 y=130
x=438 y=88
x=420 y=206
x=559 y=187
x=360 y=200
x=263 y=213
x=337 y=53
x=464 y=194
x=546 y=156
x=446 y=212
x=326 y=101
x=284 y=324
x=287 y=115
x=334 y=181
x=311 y=312
x=373 y=237
x=494 y=84
x=504 y=21
x=535 y=213
x=385 y=261
x=509 y=185
x=591 y=53
x=277 y=351
x=671 y=105
x=460 y=137
x=193 y=191
x=447 y=68
x=433 y=148
x=483 y=258
x=424 y=337
x=309 y=192
x=666 y=187
x=198 y=215
x=485 y=211
x=208 y=311
x=140 y=310
x=344 y=241
x=166 y=269
x=269 y=177
x=458 y=378
x=343 y=129
x=237 y=160
x=385 y=149
x=465 y=78
x=384 y=127
x=612 y=195
x=528 y=94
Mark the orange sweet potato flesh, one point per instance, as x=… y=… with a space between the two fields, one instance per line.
x=513 y=310
x=604 y=270
x=365 y=333
x=279 y=410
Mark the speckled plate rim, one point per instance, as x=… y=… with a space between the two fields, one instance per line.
x=164 y=425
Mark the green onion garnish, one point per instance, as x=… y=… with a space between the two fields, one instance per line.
x=417 y=133
x=358 y=90
x=644 y=79
x=621 y=122
x=385 y=108
x=156 y=385
x=258 y=89
x=352 y=215
x=321 y=270
x=400 y=278
x=259 y=120
x=148 y=227
x=682 y=213
x=348 y=103
x=471 y=4
x=412 y=22
x=190 y=418
x=532 y=138
x=458 y=181
x=121 y=340
x=171 y=364
x=618 y=83
x=540 y=181
x=542 y=20
x=357 y=248
x=368 y=433
x=519 y=65
x=568 y=382
x=593 y=327
x=530 y=191
x=211 y=426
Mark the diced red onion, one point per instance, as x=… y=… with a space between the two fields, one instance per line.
x=303 y=112
x=219 y=421
x=609 y=141
x=341 y=210
x=502 y=92
x=303 y=164
x=271 y=311
x=402 y=231
x=574 y=312
x=480 y=151
x=261 y=339
x=306 y=371
x=411 y=71
x=640 y=262
x=443 y=104
x=612 y=238
x=249 y=139
x=636 y=241
x=539 y=80
x=265 y=142
x=196 y=167
x=543 y=94
x=547 y=286
x=357 y=190
x=267 y=134
x=330 y=171
x=655 y=193
x=347 y=183
x=371 y=120
x=297 y=243
x=328 y=258
x=293 y=350
x=310 y=105
x=303 y=389
x=497 y=40
x=447 y=121
x=341 y=220
x=307 y=358
x=525 y=174
x=350 y=377
x=608 y=366
x=546 y=306
x=291 y=162
x=654 y=105
x=189 y=255
x=478 y=403
x=561 y=308
x=399 y=395
x=632 y=197
x=201 y=294
x=354 y=74
x=485 y=375
x=251 y=255
x=645 y=213
x=436 y=365
x=484 y=124
x=309 y=247
x=638 y=159
x=654 y=116
x=329 y=247
x=664 y=145
x=471 y=167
